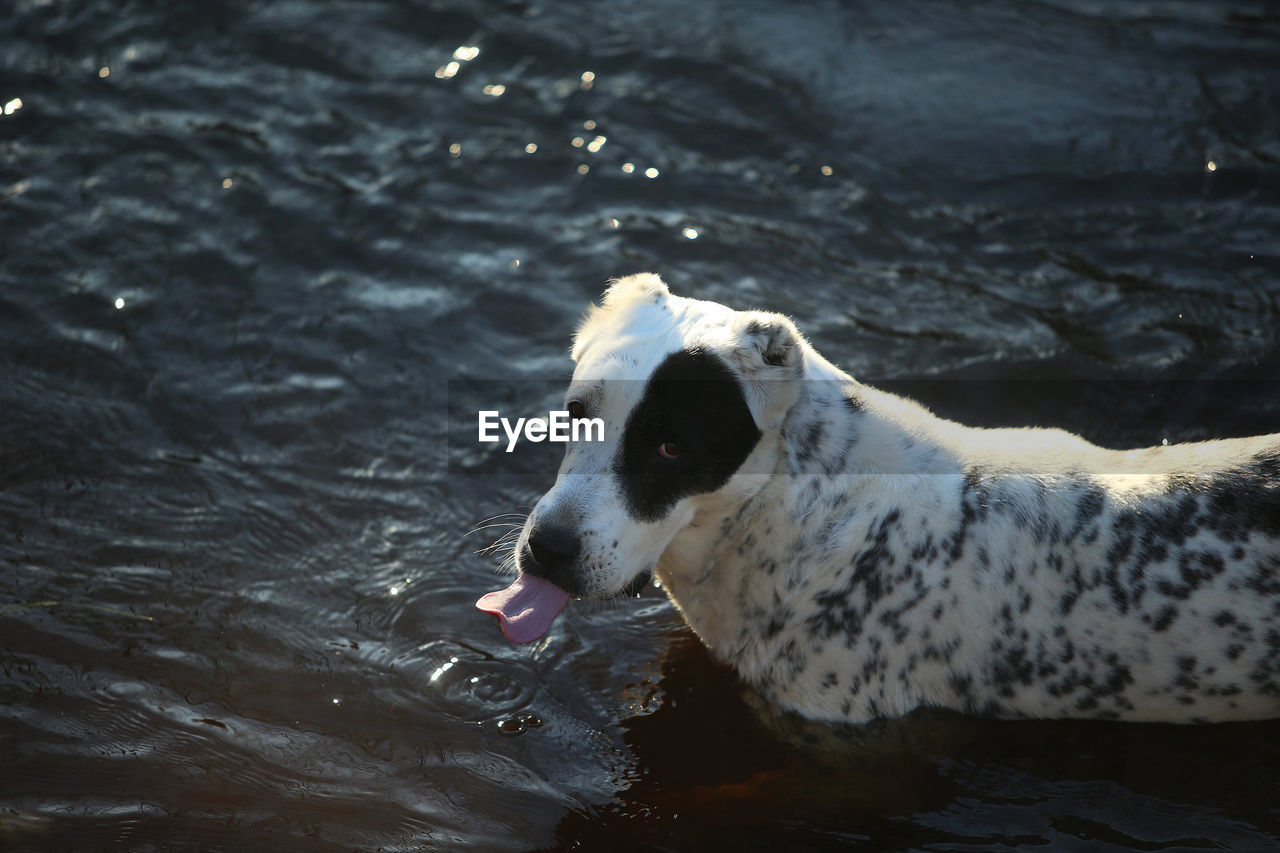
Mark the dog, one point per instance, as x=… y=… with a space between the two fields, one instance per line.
x=853 y=556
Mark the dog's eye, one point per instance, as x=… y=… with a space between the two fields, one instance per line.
x=670 y=449
x=577 y=410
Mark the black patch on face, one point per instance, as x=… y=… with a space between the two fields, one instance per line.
x=694 y=401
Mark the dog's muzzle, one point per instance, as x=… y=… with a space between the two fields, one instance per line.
x=552 y=554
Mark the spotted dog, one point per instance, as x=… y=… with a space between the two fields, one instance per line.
x=854 y=556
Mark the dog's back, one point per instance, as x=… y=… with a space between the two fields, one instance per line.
x=913 y=561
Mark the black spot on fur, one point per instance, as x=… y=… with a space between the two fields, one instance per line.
x=777 y=622
x=1164 y=618
x=1088 y=508
x=694 y=400
x=837 y=611
x=852 y=400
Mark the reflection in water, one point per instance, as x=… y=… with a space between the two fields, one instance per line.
x=720 y=766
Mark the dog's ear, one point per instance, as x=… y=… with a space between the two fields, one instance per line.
x=769 y=356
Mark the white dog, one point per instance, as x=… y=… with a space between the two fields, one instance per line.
x=854 y=556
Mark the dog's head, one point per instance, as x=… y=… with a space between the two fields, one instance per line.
x=692 y=395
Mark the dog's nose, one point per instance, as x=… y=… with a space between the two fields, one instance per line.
x=554 y=551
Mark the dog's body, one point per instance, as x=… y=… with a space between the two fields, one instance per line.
x=853 y=556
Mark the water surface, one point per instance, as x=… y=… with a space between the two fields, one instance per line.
x=245 y=246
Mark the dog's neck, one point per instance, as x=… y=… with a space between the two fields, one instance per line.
x=729 y=570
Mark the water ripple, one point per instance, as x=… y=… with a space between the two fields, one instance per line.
x=247 y=249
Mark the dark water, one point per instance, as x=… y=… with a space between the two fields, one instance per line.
x=244 y=246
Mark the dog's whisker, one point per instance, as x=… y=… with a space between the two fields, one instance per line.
x=493 y=523
x=507 y=528
x=507 y=541
x=502 y=515
x=499 y=524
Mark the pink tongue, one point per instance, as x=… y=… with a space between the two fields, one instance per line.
x=525 y=609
